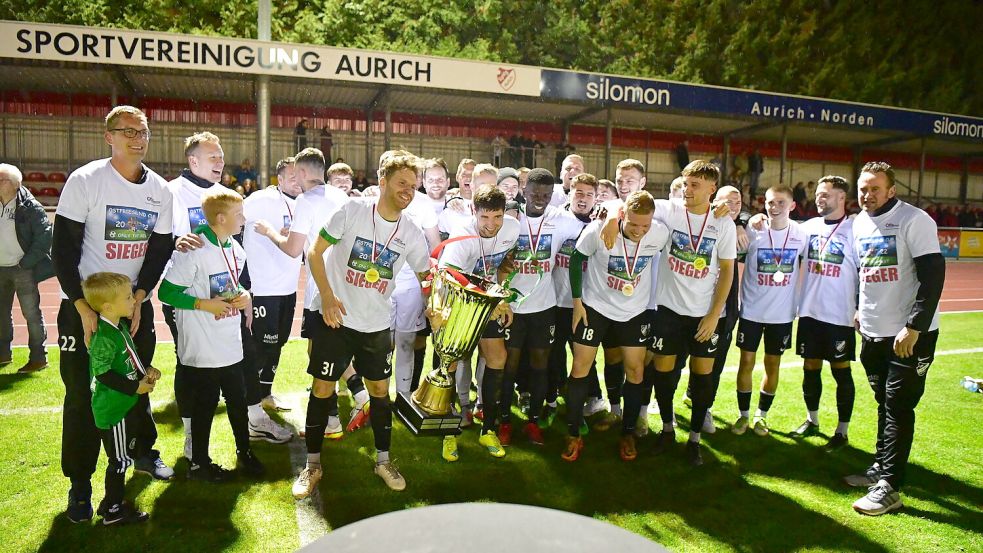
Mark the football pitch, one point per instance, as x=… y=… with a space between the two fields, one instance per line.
x=753 y=494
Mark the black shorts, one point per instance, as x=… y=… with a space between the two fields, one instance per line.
x=675 y=334
x=494 y=330
x=877 y=354
x=532 y=330
x=305 y=322
x=778 y=336
x=272 y=318
x=633 y=333
x=332 y=349
x=819 y=340
x=426 y=330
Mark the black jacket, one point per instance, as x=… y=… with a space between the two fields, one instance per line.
x=33 y=235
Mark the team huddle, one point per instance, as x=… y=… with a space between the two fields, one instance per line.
x=653 y=282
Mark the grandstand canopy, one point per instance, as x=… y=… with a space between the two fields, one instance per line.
x=85 y=60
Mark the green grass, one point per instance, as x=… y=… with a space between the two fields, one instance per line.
x=754 y=494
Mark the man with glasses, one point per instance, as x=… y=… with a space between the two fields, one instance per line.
x=114 y=215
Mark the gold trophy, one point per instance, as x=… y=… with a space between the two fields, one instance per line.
x=461 y=304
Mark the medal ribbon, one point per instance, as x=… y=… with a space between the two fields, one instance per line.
x=822 y=246
x=699 y=239
x=534 y=244
x=234 y=275
x=778 y=258
x=126 y=342
x=624 y=246
x=481 y=249
x=285 y=204
x=374 y=255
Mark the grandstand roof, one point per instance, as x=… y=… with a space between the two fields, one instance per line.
x=86 y=60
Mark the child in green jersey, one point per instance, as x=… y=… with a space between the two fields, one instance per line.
x=120 y=384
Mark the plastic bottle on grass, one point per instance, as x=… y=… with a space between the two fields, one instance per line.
x=971 y=384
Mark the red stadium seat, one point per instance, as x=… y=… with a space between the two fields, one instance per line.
x=34 y=191
x=57 y=176
x=36 y=176
x=50 y=191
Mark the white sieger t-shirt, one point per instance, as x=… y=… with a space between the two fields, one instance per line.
x=207 y=272
x=353 y=230
x=272 y=272
x=548 y=232
x=887 y=246
x=765 y=298
x=829 y=281
x=609 y=271
x=119 y=217
x=312 y=210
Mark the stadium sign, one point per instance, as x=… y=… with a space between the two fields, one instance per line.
x=710 y=100
x=65 y=43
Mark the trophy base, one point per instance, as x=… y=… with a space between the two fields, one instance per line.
x=422 y=423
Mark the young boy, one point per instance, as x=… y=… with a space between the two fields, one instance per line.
x=203 y=286
x=120 y=384
x=767 y=303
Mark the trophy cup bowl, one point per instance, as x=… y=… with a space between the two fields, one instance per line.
x=461 y=304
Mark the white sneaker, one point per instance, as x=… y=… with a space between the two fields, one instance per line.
x=391 y=476
x=187 y=447
x=360 y=399
x=654 y=408
x=642 y=425
x=273 y=403
x=268 y=430
x=881 y=498
x=334 y=426
x=708 y=426
x=306 y=482
x=595 y=405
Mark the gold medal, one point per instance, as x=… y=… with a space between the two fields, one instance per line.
x=819 y=267
x=700 y=264
x=372 y=275
x=628 y=290
x=778 y=277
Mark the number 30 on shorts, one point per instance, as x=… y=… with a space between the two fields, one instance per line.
x=259 y=311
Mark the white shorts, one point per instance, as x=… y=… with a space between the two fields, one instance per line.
x=406 y=314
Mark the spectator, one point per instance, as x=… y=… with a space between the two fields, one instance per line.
x=811 y=191
x=498 y=149
x=755 y=166
x=326 y=142
x=967 y=217
x=740 y=170
x=949 y=218
x=248 y=187
x=799 y=193
x=245 y=171
x=533 y=152
x=300 y=135
x=360 y=182
x=25 y=260
x=227 y=180
x=682 y=154
x=515 y=149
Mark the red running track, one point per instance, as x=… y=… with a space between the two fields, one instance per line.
x=963 y=292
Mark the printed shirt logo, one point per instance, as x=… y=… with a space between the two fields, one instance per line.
x=196 y=217
x=878 y=259
x=494 y=260
x=566 y=250
x=833 y=252
x=618 y=271
x=221 y=285
x=879 y=251
x=767 y=260
x=129 y=224
x=360 y=258
x=682 y=258
x=524 y=256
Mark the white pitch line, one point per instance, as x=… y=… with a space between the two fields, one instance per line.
x=310 y=512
